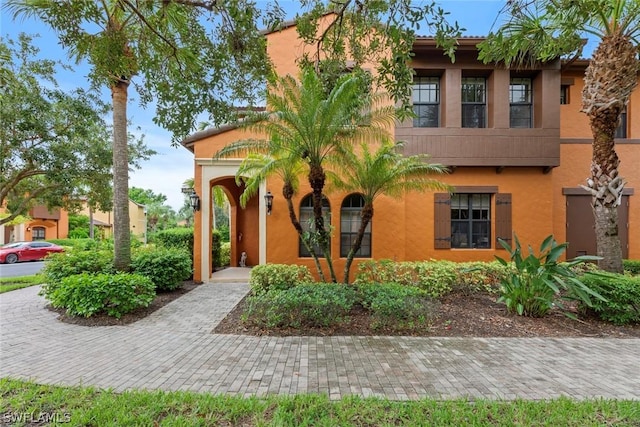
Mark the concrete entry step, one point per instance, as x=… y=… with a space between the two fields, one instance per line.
x=231 y=275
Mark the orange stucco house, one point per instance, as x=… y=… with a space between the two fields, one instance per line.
x=515 y=141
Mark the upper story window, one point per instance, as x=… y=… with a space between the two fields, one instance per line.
x=474 y=102
x=564 y=94
x=307 y=222
x=426 y=101
x=520 y=103
x=621 y=131
x=350 y=222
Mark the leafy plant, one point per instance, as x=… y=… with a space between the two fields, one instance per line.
x=308 y=304
x=268 y=277
x=622 y=293
x=179 y=238
x=114 y=294
x=167 y=268
x=225 y=253
x=534 y=285
x=59 y=266
x=631 y=266
x=395 y=306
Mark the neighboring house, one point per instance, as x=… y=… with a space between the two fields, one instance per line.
x=44 y=225
x=103 y=221
x=517 y=145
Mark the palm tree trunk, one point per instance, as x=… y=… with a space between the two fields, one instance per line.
x=287 y=192
x=367 y=215
x=317 y=179
x=121 y=234
x=609 y=80
x=606 y=189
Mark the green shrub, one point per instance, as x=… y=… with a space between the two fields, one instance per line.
x=113 y=294
x=267 y=277
x=78 y=233
x=62 y=265
x=73 y=243
x=216 y=252
x=396 y=307
x=179 y=238
x=480 y=277
x=306 y=305
x=436 y=278
x=622 y=294
x=167 y=268
x=632 y=266
x=225 y=254
x=532 y=288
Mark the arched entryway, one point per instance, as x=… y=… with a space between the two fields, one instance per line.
x=247 y=225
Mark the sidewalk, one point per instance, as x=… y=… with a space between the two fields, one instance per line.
x=175 y=349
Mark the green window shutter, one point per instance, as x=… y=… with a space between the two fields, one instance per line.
x=442 y=220
x=504 y=230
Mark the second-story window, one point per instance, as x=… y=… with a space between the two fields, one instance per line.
x=426 y=102
x=621 y=131
x=474 y=102
x=520 y=111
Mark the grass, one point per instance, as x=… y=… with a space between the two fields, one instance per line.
x=24 y=402
x=11 y=283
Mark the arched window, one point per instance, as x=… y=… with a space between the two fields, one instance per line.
x=38 y=233
x=306 y=221
x=350 y=221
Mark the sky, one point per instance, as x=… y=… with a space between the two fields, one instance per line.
x=165 y=172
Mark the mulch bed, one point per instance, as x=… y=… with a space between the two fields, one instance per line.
x=457 y=315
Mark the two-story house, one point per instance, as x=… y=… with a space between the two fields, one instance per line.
x=515 y=141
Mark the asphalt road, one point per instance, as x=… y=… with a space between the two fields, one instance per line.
x=20 y=269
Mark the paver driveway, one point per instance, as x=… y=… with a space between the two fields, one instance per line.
x=175 y=349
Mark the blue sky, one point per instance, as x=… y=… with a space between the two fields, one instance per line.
x=165 y=172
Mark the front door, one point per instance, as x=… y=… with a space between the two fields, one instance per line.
x=581 y=233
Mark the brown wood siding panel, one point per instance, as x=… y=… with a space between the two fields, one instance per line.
x=504 y=229
x=41 y=212
x=442 y=220
x=456 y=148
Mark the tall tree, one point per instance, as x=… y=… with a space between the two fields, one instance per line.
x=383 y=172
x=306 y=124
x=547 y=29
x=353 y=34
x=184 y=66
x=54 y=144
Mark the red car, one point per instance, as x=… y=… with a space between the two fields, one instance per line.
x=27 y=251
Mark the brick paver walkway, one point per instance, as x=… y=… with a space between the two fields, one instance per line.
x=175 y=349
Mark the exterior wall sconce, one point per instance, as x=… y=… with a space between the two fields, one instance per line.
x=194 y=199
x=268 y=201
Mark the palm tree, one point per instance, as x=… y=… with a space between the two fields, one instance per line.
x=183 y=69
x=545 y=30
x=257 y=167
x=383 y=172
x=313 y=126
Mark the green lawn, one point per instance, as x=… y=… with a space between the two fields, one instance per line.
x=10 y=283
x=22 y=403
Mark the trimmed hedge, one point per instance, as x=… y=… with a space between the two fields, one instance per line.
x=396 y=307
x=62 y=265
x=179 y=238
x=268 y=277
x=167 y=268
x=631 y=266
x=622 y=294
x=308 y=304
x=113 y=294
x=225 y=254
x=436 y=278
